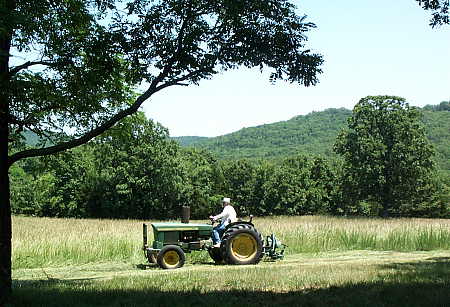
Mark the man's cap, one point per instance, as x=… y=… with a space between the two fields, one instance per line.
x=226 y=200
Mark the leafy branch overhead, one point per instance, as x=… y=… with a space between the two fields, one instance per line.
x=439 y=9
x=86 y=59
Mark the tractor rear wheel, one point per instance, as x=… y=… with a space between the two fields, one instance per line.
x=171 y=257
x=242 y=244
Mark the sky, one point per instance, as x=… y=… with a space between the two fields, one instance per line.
x=383 y=47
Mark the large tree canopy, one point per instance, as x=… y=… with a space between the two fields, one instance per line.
x=387 y=157
x=81 y=60
x=70 y=69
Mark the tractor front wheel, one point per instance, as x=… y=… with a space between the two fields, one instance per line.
x=171 y=257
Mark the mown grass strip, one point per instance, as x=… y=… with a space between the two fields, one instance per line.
x=360 y=278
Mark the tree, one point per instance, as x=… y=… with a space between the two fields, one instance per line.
x=68 y=67
x=202 y=181
x=297 y=187
x=130 y=171
x=439 y=8
x=387 y=157
x=443 y=106
x=241 y=183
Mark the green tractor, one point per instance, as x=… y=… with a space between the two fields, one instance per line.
x=241 y=244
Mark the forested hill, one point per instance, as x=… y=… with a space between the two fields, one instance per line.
x=190 y=140
x=314 y=133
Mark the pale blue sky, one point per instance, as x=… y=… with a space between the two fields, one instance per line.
x=383 y=47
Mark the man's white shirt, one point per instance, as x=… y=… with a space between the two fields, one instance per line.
x=227 y=216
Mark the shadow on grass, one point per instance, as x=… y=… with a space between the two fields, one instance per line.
x=439 y=259
x=145 y=266
x=434 y=269
x=149 y=266
x=424 y=283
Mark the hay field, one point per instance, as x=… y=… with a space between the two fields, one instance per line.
x=39 y=242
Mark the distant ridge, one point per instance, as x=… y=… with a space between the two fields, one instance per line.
x=189 y=140
x=312 y=134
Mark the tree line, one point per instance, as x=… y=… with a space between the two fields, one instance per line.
x=315 y=134
x=136 y=171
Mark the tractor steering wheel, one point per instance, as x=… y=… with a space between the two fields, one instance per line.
x=213 y=221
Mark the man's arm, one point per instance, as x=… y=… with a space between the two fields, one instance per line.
x=221 y=215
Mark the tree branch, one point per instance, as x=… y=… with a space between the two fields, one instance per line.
x=25 y=122
x=178 y=81
x=28 y=64
x=176 y=55
x=153 y=88
x=440 y=8
x=15 y=121
x=102 y=128
x=86 y=137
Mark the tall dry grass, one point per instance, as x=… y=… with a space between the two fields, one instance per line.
x=314 y=234
x=53 y=241
x=39 y=242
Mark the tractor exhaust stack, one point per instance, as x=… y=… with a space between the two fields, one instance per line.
x=185 y=214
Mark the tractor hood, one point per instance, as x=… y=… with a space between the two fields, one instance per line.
x=181 y=227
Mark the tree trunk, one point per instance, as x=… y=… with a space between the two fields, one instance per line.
x=5 y=205
x=5 y=224
x=385 y=211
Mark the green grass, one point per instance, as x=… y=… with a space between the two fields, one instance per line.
x=356 y=278
x=330 y=261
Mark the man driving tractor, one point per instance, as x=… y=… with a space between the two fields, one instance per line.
x=235 y=242
x=227 y=216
